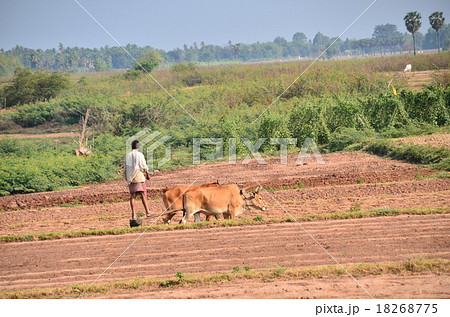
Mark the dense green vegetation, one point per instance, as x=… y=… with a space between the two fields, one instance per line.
x=341 y=105
x=42 y=165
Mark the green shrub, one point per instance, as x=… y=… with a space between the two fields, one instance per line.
x=299 y=185
x=166 y=283
x=355 y=207
x=192 y=79
x=6 y=120
x=414 y=128
x=32 y=115
x=345 y=113
x=308 y=121
x=148 y=61
x=385 y=110
x=430 y=106
x=31 y=86
x=273 y=126
x=183 y=67
x=438 y=158
x=132 y=74
x=342 y=138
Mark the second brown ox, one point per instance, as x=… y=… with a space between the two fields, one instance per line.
x=173 y=200
x=227 y=200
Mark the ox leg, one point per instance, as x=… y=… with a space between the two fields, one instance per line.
x=166 y=220
x=209 y=217
x=169 y=217
x=185 y=217
x=232 y=213
x=197 y=217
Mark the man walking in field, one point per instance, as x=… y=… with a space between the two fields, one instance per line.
x=136 y=172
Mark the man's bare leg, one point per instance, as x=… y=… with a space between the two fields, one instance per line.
x=133 y=205
x=145 y=202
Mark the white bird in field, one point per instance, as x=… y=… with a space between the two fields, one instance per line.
x=407 y=68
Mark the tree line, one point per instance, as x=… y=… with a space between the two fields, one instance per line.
x=386 y=38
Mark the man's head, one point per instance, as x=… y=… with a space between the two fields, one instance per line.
x=135 y=145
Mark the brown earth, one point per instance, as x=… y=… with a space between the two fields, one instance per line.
x=418 y=194
x=339 y=169
x=331 y=188
x=436 y=140
x=383 y=286
x=59 y=263
x=334 y=187
x=416 y=80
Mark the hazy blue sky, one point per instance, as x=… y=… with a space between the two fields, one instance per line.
x=170 y=24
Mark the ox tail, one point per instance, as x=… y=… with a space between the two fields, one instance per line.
x=164 y=198
x=185 y=209
x=184 y=206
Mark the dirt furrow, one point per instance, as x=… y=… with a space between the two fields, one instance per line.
x=71 y=261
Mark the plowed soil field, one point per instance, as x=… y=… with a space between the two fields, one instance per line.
x=347 y=181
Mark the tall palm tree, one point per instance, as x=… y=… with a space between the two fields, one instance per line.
x=437 y=22
x=412 y=23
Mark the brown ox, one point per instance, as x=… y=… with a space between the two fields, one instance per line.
x=173 y=200
x=226 y=200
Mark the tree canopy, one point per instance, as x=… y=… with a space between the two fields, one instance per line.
x=413 y=24
x=386 y=31
x=29 y=87
x=148 y=61
x=412 y=21
x=437 y=22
